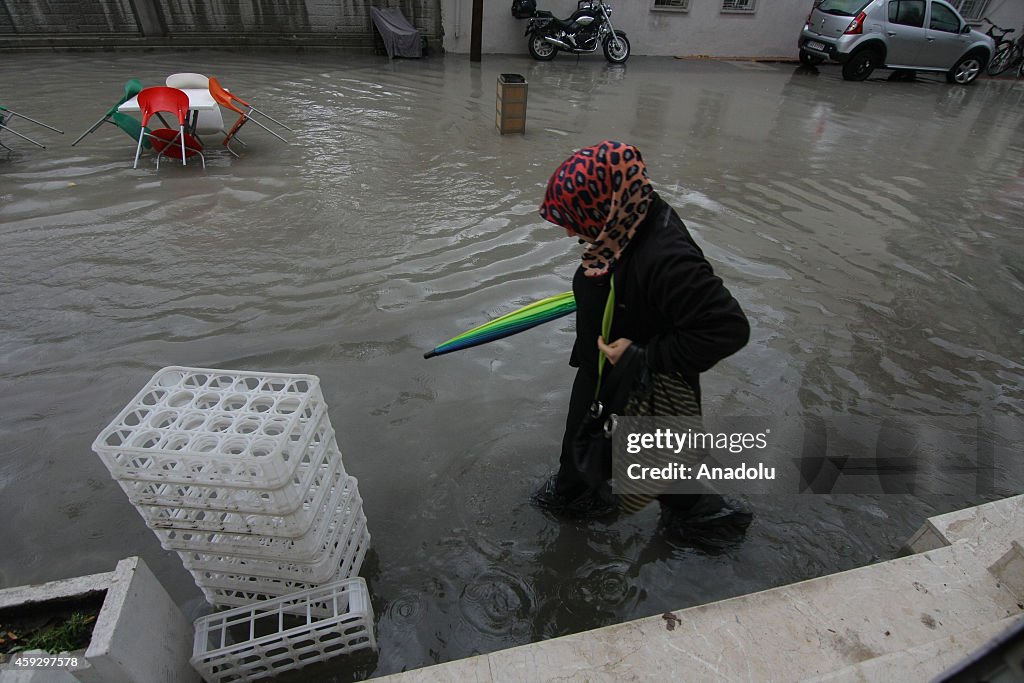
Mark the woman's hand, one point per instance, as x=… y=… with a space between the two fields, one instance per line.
x=613 y=352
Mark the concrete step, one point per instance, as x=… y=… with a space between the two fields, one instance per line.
x=934 y=657
x=900 y=612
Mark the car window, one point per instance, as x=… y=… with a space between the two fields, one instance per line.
x=842 y=8
x=907 y=12
x=944 y=19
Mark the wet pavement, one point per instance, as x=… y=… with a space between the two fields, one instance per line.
x=872 y=232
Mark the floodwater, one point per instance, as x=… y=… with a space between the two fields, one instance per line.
x=872 y=231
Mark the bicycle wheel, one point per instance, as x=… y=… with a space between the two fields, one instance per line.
x=1000 y=59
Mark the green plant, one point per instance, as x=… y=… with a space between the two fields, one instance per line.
x=74 y=633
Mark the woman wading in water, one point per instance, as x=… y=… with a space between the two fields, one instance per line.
x=673 y=319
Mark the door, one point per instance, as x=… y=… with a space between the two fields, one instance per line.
x=904 y=31
x=943 y=44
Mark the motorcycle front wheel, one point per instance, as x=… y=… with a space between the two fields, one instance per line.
x=541 y=49
x=616 y=48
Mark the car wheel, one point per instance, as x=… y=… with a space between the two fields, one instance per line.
x=807 y=59
x=967 y=69
x=860 y=64
x=541 y=49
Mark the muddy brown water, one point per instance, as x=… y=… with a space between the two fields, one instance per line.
x=872 y=231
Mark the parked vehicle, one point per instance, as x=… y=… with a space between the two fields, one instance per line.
x=1007 y=51
x=589 y=27
x=914 y=35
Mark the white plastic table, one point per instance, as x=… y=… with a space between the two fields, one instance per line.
x=198 y=99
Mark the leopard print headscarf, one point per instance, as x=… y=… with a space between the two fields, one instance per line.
x=600 y=193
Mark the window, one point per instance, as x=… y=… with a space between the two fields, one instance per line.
x=944 y=19
x=841 y=8
x=907 y=12
x=738 y=6
x=671 y=5
x=972 y=10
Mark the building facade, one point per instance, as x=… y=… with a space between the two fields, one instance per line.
x=713 y=28
x=685 y=28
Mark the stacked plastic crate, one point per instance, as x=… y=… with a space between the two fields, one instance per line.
x=285 y=633
x=241 y=475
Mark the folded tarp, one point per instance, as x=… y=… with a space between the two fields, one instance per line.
x=400 y=38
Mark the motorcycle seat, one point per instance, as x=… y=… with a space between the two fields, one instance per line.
x=563 y=24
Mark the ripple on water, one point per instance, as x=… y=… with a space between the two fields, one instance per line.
x=603 y=587
x=497 y=603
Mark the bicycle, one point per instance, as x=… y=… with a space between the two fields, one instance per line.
x=1006 y=53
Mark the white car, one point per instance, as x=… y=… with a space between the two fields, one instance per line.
x=914 y=35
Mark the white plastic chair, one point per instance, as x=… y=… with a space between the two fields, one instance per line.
x=187 y=80
x=210 y=121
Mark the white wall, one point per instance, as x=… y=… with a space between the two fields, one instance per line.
x=771 y=31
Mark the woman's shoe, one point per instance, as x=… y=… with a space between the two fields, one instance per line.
x=712 y=522
x=585 y=504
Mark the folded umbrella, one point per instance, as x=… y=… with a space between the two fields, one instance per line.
x=518 y=320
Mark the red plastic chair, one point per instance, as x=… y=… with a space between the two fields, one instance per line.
x=228 y=101
x=173 y=101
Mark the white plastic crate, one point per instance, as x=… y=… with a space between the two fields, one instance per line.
x=214 y=427
x=349 y=538
x=351 y=551
x=248 y=499
x=304 y=548
x=286 y=633
x=235 y=590
x=294 y=524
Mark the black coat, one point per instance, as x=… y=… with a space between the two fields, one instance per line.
x=668 y=301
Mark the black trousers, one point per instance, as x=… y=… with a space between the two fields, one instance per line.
x=569 y=481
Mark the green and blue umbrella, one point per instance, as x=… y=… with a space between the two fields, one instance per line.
x=524 y=318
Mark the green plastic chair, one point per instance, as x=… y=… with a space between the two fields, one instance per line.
x=128 y=124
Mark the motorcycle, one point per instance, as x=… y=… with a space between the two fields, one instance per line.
x=589 y=26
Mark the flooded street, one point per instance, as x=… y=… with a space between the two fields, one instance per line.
x=872 y=232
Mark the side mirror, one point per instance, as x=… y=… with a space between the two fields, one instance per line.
x=966 y=29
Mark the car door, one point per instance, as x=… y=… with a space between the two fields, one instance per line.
x=944 y=44
x=904 y=31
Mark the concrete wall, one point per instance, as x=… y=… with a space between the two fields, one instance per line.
x=27 y=24
x=771 y=31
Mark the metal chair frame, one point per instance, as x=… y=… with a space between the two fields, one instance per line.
x=131 y=88
x=153 y=101
x=207 y=121
x=4 y=120
x=228 y=100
